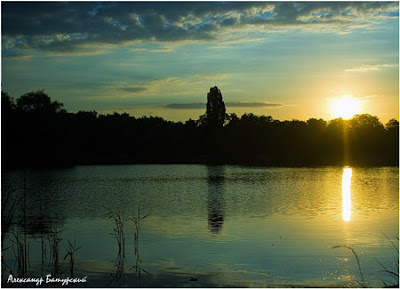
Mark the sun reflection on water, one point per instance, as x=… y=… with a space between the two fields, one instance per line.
x=346 y=193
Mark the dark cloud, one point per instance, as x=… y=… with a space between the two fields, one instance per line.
x=72 y=26
x=185 y=106
x=252 y=104
x=134 y=89
x=228 y=104
x=15 y=57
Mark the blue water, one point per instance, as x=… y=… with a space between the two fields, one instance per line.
x=223 y=226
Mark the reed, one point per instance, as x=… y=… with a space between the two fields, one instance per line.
x=393 y=272
x=8 y=207
x=54 y=239
x=119 y=266
x=118 y=230
x=43 y=251
x=21 y=254
x=390 y=271
x=71 y=250
x=138 y=222
x=362 y=283
x=20 y=246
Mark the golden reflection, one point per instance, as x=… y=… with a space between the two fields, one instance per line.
x=346 y=193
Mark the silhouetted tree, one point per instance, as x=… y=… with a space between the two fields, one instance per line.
x=36 y=131
x=316 y=124
x=366 y=138
x=215 y=113
x=232 y=120
x=86 y=115
x=7 y=103
x=392 y=124
x=391 y=147
x=365 y=122
x=38 y=102
x=8 y=127
x=315 y=143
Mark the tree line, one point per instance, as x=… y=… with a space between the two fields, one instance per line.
x=38 y=132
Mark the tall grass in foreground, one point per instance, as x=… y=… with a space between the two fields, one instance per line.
x=119 y=234
x=137 y=220
x=20 y=244
x=21 y=254
x=54 y=239
x=118 y=275
x=118 y=230
x=8 y=207
x=71 y=250
x=392 y=271
x=358 y=262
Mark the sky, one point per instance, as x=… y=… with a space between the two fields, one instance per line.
x=289 y=60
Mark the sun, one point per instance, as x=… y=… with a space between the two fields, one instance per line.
x=345 y=107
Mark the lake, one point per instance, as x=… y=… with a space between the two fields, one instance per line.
x=202 y=226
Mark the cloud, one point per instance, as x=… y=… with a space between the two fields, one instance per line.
x=185 y=106
x=228 y=104
x=367 y=96
x=190 y=85
x=138 y=49
x=363 y=68
x=210 y=76
x=162 y=50
x=229 y=43
x=252 y=104
x=367 y=68
x=169 y=86
x=72 y=27
x=16 y=57
x=133 y=89
x=124 y=88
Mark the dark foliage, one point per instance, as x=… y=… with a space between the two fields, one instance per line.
x=215 y=115
x=38 y=132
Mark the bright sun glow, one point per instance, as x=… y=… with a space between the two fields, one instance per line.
x=345 y=107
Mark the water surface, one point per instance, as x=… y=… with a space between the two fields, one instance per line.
x=208 y=226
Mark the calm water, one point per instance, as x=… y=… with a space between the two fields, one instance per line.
x=207 y=226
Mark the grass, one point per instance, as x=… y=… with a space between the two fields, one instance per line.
x=119 y=234
x=54 y=239
x=392 y=272
x=71 y=250
x=118 y=275
x=137 y=220
x=362 y=283
x=21 y=254
x=8 y=208
x=118 y=230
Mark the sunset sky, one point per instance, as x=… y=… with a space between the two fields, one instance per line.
x=289 y=60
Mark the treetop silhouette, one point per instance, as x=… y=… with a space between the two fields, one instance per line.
x=38 y=102
x=215 y=113
x=36 y=131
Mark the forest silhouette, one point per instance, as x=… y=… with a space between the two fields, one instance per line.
x=38 y=132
